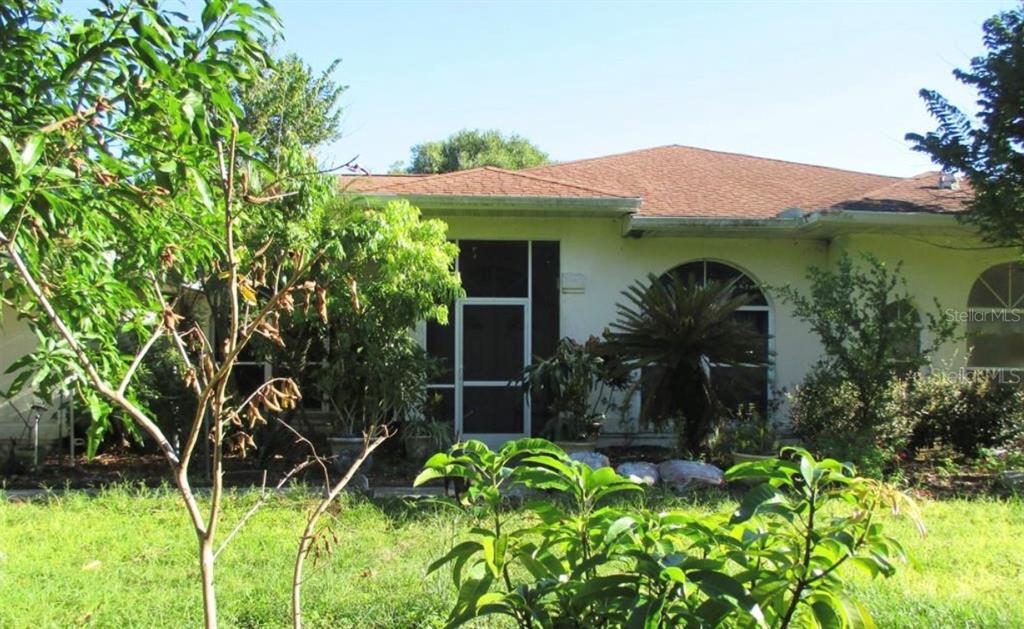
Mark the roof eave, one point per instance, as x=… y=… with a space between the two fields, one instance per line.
x=820 y=224
x=524 y=206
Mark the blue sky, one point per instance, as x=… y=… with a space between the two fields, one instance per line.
x=834 y=84
x=826 y=83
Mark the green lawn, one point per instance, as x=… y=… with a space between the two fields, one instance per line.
x=968 y=572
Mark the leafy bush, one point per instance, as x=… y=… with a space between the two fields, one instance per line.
x=584 y=560
x=968 y=412
x=868 y=324
x=750 y=431
x=574 y=385
x=825 y=413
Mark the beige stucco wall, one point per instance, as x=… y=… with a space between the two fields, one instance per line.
x=610 y=262
x=16 y=340
x=935 y=267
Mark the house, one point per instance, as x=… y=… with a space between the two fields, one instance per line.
x=546 y=252
x=28 y=423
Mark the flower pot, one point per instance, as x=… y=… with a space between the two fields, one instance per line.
x=420 y=447
x=577 y=446
x=346 y=448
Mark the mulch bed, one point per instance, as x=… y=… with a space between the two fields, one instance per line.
x=927 y=476
x=391 y=468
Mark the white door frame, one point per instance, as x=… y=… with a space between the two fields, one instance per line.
x=491 y=439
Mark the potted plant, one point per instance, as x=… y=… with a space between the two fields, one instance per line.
x=751 y=435
x=427 y=432
x=371 y=382
x=422 y=437
x=573 y=385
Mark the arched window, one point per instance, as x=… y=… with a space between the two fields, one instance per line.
x=995 y=319
x=741 y=384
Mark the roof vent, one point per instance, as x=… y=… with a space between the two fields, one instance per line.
x=949 y=181
x=790 y=212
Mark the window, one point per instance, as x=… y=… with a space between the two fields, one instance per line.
x=737 y=384
x=995 y=320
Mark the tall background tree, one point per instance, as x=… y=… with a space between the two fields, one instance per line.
x=473 y=148
x=288 y=104
x=989 y=149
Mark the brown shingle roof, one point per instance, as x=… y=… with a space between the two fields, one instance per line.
x=689 y=182
x=487 y=182
x=360 y=183
x=920 y=193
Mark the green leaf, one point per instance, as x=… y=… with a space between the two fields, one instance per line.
x=605 y=587
x=808 y=471
x=717 y=584
x=32 y=152
x=753 y=500
x=465 y=549
x=202 y=188
x=619 y=527
x=494 y=553
x=426 y=475
x=857 y=616
x=211 y=12
x=5 y=205
x=826 y=615
x=12 y=153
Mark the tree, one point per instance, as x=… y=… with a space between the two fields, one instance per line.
x=988 y=151
x=676 y=329
x=288 y=105
x=124 y=177
x=473 y=149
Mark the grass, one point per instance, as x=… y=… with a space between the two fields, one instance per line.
x=967 y=572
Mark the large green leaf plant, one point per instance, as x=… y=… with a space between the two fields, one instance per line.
x=583 y=556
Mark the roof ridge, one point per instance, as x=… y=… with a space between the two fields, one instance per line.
x=591 y=159
x=457 y=173
x=357 y=175
x=427 y=176
x=707 y=150
x=560 y=182
x=900 y=180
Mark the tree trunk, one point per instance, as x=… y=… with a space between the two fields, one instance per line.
x=206 y=568
x=300 y=560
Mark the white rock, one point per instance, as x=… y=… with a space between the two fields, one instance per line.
x=639 y=472
x=681 y=475
x=593 y=460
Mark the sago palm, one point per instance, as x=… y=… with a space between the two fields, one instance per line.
x=680 y=328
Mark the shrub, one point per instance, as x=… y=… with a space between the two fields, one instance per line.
x=867 y=322
x=967 y=411
x=586 y=560
x=826 y=413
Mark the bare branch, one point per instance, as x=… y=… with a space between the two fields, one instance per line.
x=300 y=438
x=139 y=356
x=262 y=501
